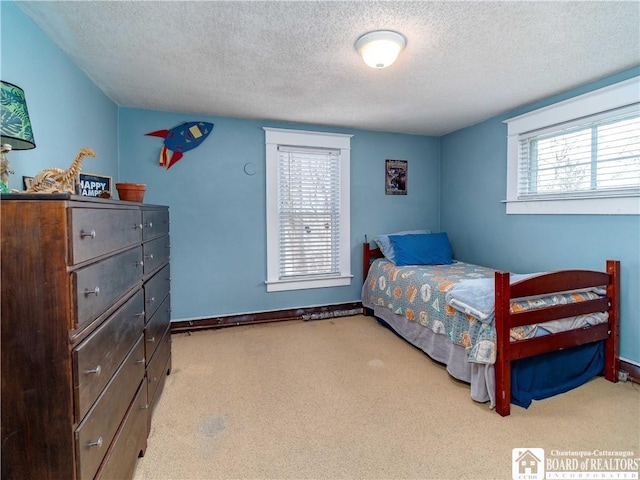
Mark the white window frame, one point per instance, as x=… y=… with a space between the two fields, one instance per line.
x=309 y=139
x=614 y=96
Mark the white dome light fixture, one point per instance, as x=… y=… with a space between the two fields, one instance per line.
x=380 y=48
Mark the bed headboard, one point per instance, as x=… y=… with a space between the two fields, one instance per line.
x=368 y=255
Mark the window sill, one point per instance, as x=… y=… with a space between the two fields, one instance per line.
x=305 y=283
x=576 y=206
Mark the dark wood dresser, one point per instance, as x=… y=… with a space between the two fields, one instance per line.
x=86 y=342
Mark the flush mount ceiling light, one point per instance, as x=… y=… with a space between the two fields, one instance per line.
x=380 y=48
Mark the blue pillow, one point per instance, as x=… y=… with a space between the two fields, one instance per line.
x=422 y=249
x=384 y=243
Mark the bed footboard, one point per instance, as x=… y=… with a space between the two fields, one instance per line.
x=567 y=280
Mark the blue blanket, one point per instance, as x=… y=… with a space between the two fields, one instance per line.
x=477 y=297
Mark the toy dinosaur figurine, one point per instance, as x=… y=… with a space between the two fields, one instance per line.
x=54 y=180
x=5 y=168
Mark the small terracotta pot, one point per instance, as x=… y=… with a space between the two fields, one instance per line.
x=131 y=192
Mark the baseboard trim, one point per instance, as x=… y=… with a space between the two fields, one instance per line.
x=310 y=313
x=305 y=313
x=634 y=371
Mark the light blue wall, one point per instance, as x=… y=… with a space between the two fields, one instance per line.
x=218 y=212
x=473 y=185
x=218 y=219
x=66 y=109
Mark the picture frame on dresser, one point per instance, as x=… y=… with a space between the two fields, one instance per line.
x=27 y=182
x=94 y=185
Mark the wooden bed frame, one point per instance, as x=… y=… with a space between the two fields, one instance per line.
x=549 y=283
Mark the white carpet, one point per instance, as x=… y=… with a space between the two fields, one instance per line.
x=346 y=398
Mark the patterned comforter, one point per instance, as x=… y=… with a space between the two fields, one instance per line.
x=418 y=293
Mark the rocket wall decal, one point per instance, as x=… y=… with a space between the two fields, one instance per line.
x=180 y=139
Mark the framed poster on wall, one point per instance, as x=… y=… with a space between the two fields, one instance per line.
x=395 y=182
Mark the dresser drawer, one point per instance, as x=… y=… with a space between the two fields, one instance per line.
x=156 y=289
x=97 y=358
x=101 y=284
x=155 y=223
x=157 y=369
x=156 y=327
x=156 y=252
x=130 y=440
x=95 y=433
x=96 y=232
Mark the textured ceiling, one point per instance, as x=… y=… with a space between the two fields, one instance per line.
x=295 y=61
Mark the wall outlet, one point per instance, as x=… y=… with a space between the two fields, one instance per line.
x=623 y=375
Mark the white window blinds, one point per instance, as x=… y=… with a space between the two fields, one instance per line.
x=597 y=155
x=308 y=211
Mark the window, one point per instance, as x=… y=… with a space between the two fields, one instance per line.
x=308 y=244
x=577 y=156
x=596 y=157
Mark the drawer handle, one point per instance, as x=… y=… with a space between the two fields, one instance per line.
x=151 y=340
x=91 y=234
x=95 y=291
x=97 y=443
x=144 y=407
x=140 y=264
x=152 y=299
x=139 y=362
x=96 y=370
x=149 y=256
x=137 y=225
x=153 y=379
x=141 y=314
x=150 y=224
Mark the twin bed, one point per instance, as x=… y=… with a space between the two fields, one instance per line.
x=513 y=338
